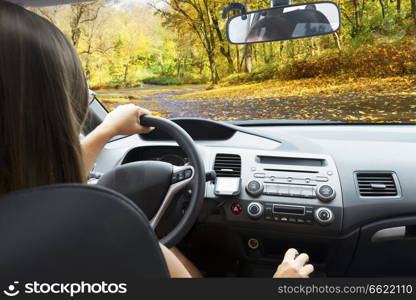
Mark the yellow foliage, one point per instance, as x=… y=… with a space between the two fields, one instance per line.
x=157 y=114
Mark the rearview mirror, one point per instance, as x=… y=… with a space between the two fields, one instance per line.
x=284 y=23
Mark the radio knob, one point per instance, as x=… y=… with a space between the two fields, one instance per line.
x=255 y=188
x=255 y=209
x=325 y=193
x=324 y=216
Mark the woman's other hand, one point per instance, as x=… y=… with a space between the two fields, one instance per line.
x=125 y=120
x=294 y=265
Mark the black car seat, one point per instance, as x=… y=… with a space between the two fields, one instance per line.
x=73 y=232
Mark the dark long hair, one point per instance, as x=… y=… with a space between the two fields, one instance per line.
x=43 y=102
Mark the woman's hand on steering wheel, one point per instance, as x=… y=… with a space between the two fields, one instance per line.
x=125 y=120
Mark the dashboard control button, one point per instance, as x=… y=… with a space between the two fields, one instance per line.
x=307 y=192
x=255 y=188
x=295 y=191
x=253 y=243
x=283 y=219
x=283 y=190
x=255 y=209
x=271 y=189
x=236 y=209
x=174 y=178
x=309 y=212
x=268 y=214
x=300 y=221
x=325 y=193
x=324 y=216
x=309 y=222
x=181 y=176
x=253 y=185
x=259 y=175
x=292 y=220
x=276 y=218
x=268 y=211
x=188 y=173
x=321 y=178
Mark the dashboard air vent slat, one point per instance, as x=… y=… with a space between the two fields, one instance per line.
x=227 y=165
x=376 y=184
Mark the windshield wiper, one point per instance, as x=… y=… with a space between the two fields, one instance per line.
x=274 y=122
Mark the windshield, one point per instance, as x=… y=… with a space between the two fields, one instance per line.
x=173 y=58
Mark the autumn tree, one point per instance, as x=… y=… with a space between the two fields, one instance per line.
x=199 y=16
x=82 y=14
x=185 y=40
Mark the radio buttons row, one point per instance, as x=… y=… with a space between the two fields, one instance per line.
x=285 y=219
x=289 y=190
x=291 y=179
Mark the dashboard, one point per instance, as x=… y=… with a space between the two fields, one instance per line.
x=327 y=189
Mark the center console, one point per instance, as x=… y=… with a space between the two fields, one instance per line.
x=291 y=192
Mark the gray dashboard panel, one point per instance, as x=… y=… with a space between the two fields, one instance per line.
x=367 y=148
x=351 y=147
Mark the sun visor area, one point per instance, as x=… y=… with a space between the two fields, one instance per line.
x=39 y=3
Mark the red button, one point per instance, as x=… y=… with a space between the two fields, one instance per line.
x=236 y=209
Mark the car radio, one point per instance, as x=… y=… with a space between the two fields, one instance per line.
x=278 y=190
x=290 y=191
x=323 y=192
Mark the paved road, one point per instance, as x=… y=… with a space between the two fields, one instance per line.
x=347 y=106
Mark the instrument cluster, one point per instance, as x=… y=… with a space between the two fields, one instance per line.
x=170 y=154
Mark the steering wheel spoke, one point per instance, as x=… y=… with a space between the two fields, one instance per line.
x=181 y=177
x=152 y=185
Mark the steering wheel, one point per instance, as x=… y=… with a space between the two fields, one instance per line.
x=152 y=185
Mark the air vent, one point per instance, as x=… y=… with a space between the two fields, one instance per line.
x=227 y=165
x=377 y=184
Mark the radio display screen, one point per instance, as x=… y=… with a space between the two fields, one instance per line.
x=291 y=161
x=288 y=209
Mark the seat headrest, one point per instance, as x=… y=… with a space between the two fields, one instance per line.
x=73 y=232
